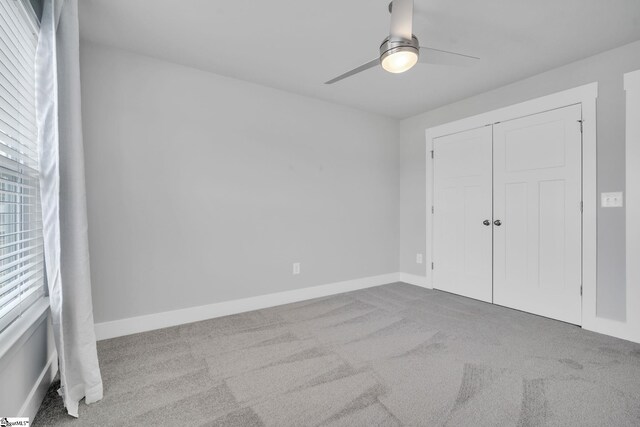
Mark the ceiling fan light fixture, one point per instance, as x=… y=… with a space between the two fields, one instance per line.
x=398 y=55
x=400 y=51
x=399 y=60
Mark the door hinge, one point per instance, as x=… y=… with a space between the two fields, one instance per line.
x=432 y=210
x=432 y=266
x=581 y=206
x=581 y=127
x=580 y=290
x=432 y=154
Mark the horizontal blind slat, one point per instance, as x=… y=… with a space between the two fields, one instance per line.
x=13 y=300
x=11 y=216
x=25 y=271
x=17 y=37
x=18 y=141
x=27 y=37
x=19 y=170
x=22 y=259
x=27 y=29
x=21 y=157
x=8 y=90
x=11 y=193
x=8 y=294
x=11 y=137
x=14 y=203
x=15 y=109
x=4 y=245
x=18 y=101
x=34 y=246
x=16 y=126
x=23 y=223
x=23 y=281
x=13 y=71
x=16 y=66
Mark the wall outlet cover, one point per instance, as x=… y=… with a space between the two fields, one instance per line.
x=612 y=200
x=418 y=258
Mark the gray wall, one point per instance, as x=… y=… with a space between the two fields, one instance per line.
x=274 y=178
x=607 y=69
x=204 y=189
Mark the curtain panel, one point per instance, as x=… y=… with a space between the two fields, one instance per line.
x=65 y=230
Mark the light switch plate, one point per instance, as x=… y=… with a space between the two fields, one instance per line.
x=612 y=200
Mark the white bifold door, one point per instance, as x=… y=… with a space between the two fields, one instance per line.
x=524 y=176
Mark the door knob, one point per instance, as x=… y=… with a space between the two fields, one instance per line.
x=497 y=222
x=486 y=222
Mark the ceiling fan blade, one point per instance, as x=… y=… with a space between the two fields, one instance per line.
x=402 y=19
x=356 y=70
x=430 y=55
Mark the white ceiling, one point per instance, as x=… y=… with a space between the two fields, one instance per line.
x=296 y=45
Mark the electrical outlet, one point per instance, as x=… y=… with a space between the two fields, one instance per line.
x=296 y=268
x=612 y=200
x=418 y=258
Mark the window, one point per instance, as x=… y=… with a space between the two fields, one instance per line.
x=21 y=245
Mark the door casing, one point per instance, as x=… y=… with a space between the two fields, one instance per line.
x=585 y=96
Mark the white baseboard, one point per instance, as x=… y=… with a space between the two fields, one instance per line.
x=414 y=279
x=36 y=395
x=613 y=328
x=166 y=319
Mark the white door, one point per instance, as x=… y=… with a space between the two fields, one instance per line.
x=537 y=195
x=462 y=213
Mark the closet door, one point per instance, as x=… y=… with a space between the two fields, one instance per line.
x=462 y=213
x=537 y=214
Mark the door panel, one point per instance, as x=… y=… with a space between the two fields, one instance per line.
x=537 y=193
x=462 y=201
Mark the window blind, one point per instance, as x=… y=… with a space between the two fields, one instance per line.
x=21 y=245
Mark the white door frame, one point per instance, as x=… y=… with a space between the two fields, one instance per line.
x=585 y=95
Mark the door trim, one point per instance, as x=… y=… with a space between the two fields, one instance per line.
x=585 y=95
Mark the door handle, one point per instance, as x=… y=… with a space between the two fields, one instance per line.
x=497 y=222
x=486 y=222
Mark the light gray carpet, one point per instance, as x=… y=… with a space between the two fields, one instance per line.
x=386 y=356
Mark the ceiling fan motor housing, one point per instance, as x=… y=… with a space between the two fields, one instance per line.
x=391 y=45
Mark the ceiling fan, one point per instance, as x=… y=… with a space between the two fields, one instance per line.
x=401 y=50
